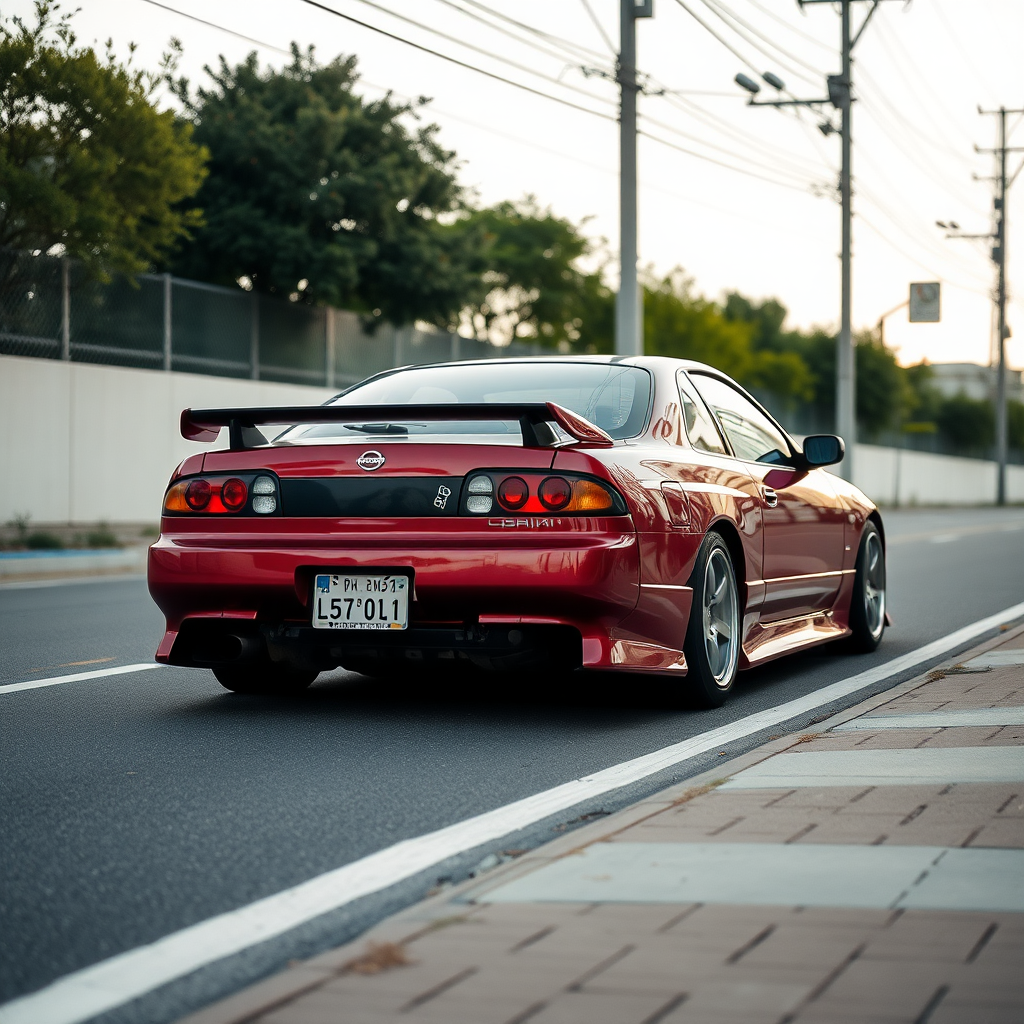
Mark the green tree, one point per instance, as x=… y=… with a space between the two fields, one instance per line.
x=1015 y=424
x=679 y=322
x=87 y=162
x=531 y=286
x=967 y=423
x=778 y=362
x=319 y=195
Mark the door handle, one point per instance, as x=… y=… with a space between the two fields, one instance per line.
x=771 y=499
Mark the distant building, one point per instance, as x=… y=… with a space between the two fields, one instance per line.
x=974 y=381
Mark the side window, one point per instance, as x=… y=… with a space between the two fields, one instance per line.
x=752 y=435
x=700 y=426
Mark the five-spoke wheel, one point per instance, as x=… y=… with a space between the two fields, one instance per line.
x=712 y=644
x=867 y=607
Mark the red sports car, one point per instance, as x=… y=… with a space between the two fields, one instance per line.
x=641 y=515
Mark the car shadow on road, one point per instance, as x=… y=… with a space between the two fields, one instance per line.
x=538 y=699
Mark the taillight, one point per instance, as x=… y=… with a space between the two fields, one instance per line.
x=513 y=492
x=217 y=495
x=555 y=493
x=233 y=493
x=525 y=492
x=197 y=494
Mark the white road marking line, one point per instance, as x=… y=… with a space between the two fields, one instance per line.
x=67 y=581
x=120 y=670
x=93 y=990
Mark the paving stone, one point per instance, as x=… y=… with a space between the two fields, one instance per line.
x=600 y=1008
x=888 y=990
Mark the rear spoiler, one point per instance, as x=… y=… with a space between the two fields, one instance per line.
x=534 y=420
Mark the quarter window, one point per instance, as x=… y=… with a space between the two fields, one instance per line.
x=700 y=425
x=753 y=435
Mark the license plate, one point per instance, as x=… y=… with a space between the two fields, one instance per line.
x=361 y=600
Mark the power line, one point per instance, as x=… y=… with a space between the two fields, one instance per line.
x=782 y=21
x=570 y=50
x=721 y=163
x=687 y=106
x=460 y=63
x=600 y=28
x=725 y=14
x=488 y=53
x=534 y=31
x=792 y=169
x=221 y=28
x=732 y=49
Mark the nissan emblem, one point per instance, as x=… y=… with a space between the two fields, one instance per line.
x=370 y=461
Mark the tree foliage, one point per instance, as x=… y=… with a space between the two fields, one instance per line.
x=87 y=162
x=317 y=194
x=531 y=286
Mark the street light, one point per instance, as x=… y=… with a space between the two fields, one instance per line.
x=747 y=83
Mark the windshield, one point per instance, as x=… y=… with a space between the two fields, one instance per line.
x=615 y=397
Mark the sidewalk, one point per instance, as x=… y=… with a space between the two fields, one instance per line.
x=872 y=871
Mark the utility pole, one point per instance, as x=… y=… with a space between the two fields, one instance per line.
x=840 y=95
x=999 y=257
x=629 y=333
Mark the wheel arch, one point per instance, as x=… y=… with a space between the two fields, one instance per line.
x=726 y=529
x=874 y=516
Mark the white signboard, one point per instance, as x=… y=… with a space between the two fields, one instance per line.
x=924 y=302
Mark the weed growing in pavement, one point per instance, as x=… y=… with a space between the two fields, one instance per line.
x=379 y=956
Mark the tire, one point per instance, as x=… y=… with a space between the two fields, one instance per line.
x=264 y=678
x=712 y=645
x=867 y=606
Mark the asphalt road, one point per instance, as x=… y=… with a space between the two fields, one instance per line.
x=135 y=805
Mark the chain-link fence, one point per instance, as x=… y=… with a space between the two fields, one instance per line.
x=49 y=308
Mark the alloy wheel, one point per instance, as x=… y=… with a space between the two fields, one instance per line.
x=721 y=617
x=874 y=584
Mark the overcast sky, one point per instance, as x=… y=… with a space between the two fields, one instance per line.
x=921 y=70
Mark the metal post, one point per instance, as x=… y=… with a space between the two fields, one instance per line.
x=329 y=341
x=254 y=338
x=65 y=309
x=1001 y=425
x=629 y=339
x=846 y=371
x=167 y=321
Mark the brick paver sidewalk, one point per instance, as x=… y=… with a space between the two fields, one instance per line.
x=871 y=871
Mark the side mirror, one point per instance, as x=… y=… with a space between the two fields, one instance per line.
x=823 y=450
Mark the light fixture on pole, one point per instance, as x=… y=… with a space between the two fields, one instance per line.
x=840 y=96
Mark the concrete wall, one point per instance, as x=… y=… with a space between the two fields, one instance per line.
x=893 y=476
x=82 y=443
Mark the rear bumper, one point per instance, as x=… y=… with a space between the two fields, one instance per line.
x=479 y=576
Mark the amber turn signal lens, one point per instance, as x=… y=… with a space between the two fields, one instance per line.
x=233 y=493
x=197 y=494
x=175 y=500
x=589 y=496
x=555 y=493
x=513 y=492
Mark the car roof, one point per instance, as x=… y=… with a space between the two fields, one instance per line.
x=649 y=362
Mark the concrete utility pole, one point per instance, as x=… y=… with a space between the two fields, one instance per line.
x=999 y=257
x=840 y=95
x=629 y=330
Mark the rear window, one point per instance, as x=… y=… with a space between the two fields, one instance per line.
x=615 y=397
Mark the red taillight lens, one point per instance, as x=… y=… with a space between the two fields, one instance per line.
x=513 y=492
x=197 y=494
x=233 y=493
x=554 y=493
